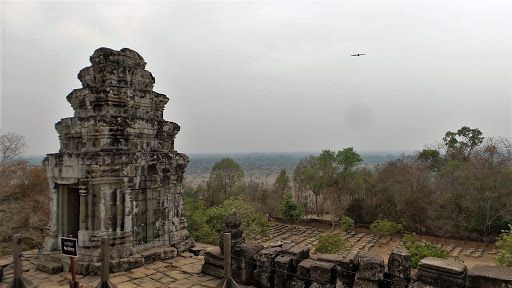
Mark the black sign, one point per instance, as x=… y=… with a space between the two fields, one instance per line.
x=68 y=246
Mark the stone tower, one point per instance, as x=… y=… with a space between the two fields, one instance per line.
x=116 y=172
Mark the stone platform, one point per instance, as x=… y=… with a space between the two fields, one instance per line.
x=182 y=271
x=54 y=262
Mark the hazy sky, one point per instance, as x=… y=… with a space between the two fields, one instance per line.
x=272 y=76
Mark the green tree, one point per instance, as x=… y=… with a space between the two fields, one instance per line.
x=460 y=144
x=282 y=183
x=421 y=250
x=313 y=179
x=197 y=215
x=346 y=224
x=289 y=209
x=504 y=255
x=226 y=179
x=331 y=244
x=300 y=185
x=431 y=156
x=348 y=158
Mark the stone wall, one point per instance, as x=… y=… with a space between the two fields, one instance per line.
x=278 y=267
x=292 y=266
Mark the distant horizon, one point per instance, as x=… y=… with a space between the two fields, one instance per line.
x=387 y=151
x=36 y=158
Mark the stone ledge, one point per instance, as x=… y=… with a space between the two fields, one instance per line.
x=48 y=267
x=489 y=276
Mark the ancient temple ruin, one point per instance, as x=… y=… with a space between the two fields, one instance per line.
x=117 y=172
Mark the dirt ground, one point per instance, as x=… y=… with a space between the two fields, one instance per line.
x=470 y=261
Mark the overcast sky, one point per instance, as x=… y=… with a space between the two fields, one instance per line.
x=272 y=76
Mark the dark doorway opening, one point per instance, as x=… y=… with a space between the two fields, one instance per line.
x=69 y=211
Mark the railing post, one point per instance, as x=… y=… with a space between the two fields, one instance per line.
x=105 y=264
x=228 y=282
x=105 y=261
x=227 y=258
x=18 y=280
x=73 y=283
x=16 y=260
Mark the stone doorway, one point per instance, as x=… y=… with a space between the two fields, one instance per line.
x=69 y=211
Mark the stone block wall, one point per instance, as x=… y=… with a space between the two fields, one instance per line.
x=293 y=267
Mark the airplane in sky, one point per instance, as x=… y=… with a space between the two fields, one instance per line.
x=359 y=54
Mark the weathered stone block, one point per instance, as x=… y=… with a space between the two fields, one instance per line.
x=157 y=254
x=371 y=267
x=297 y=283
x=244 y=263
x=420 y=284
x=320 y=285
x=178 y=236
x=284 y=270
x=212 y=270
x=365 y=283
x=86 y=268
x=304 y=269
x=489 y=277
x=441 y=272
x=394 y=282
x=49 y=267
x=264 y=274
x=265 y=258
x=184 y=245
x=399 y=263
x=263 y=279
x=323 y=272
x=214 y=257
x=443 y=265
x=298 y=251
x=441 y=279
x=346 y=268
x=333 y=258
x=125 y=264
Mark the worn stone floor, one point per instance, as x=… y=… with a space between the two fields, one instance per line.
x=183 y=271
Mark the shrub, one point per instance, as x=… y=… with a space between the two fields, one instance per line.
x=420 y=250
x=196 y=215
x=504 y=255
x=331 y=244
x=24 y=204
x=384 y=228
x=205 y=225
x=289 y=209
x=346 y=224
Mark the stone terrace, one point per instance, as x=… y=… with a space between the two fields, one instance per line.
x=183 y=271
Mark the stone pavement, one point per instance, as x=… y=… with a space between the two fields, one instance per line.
x=183 y=271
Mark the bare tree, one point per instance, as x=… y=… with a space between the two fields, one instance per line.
x=12 y=147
